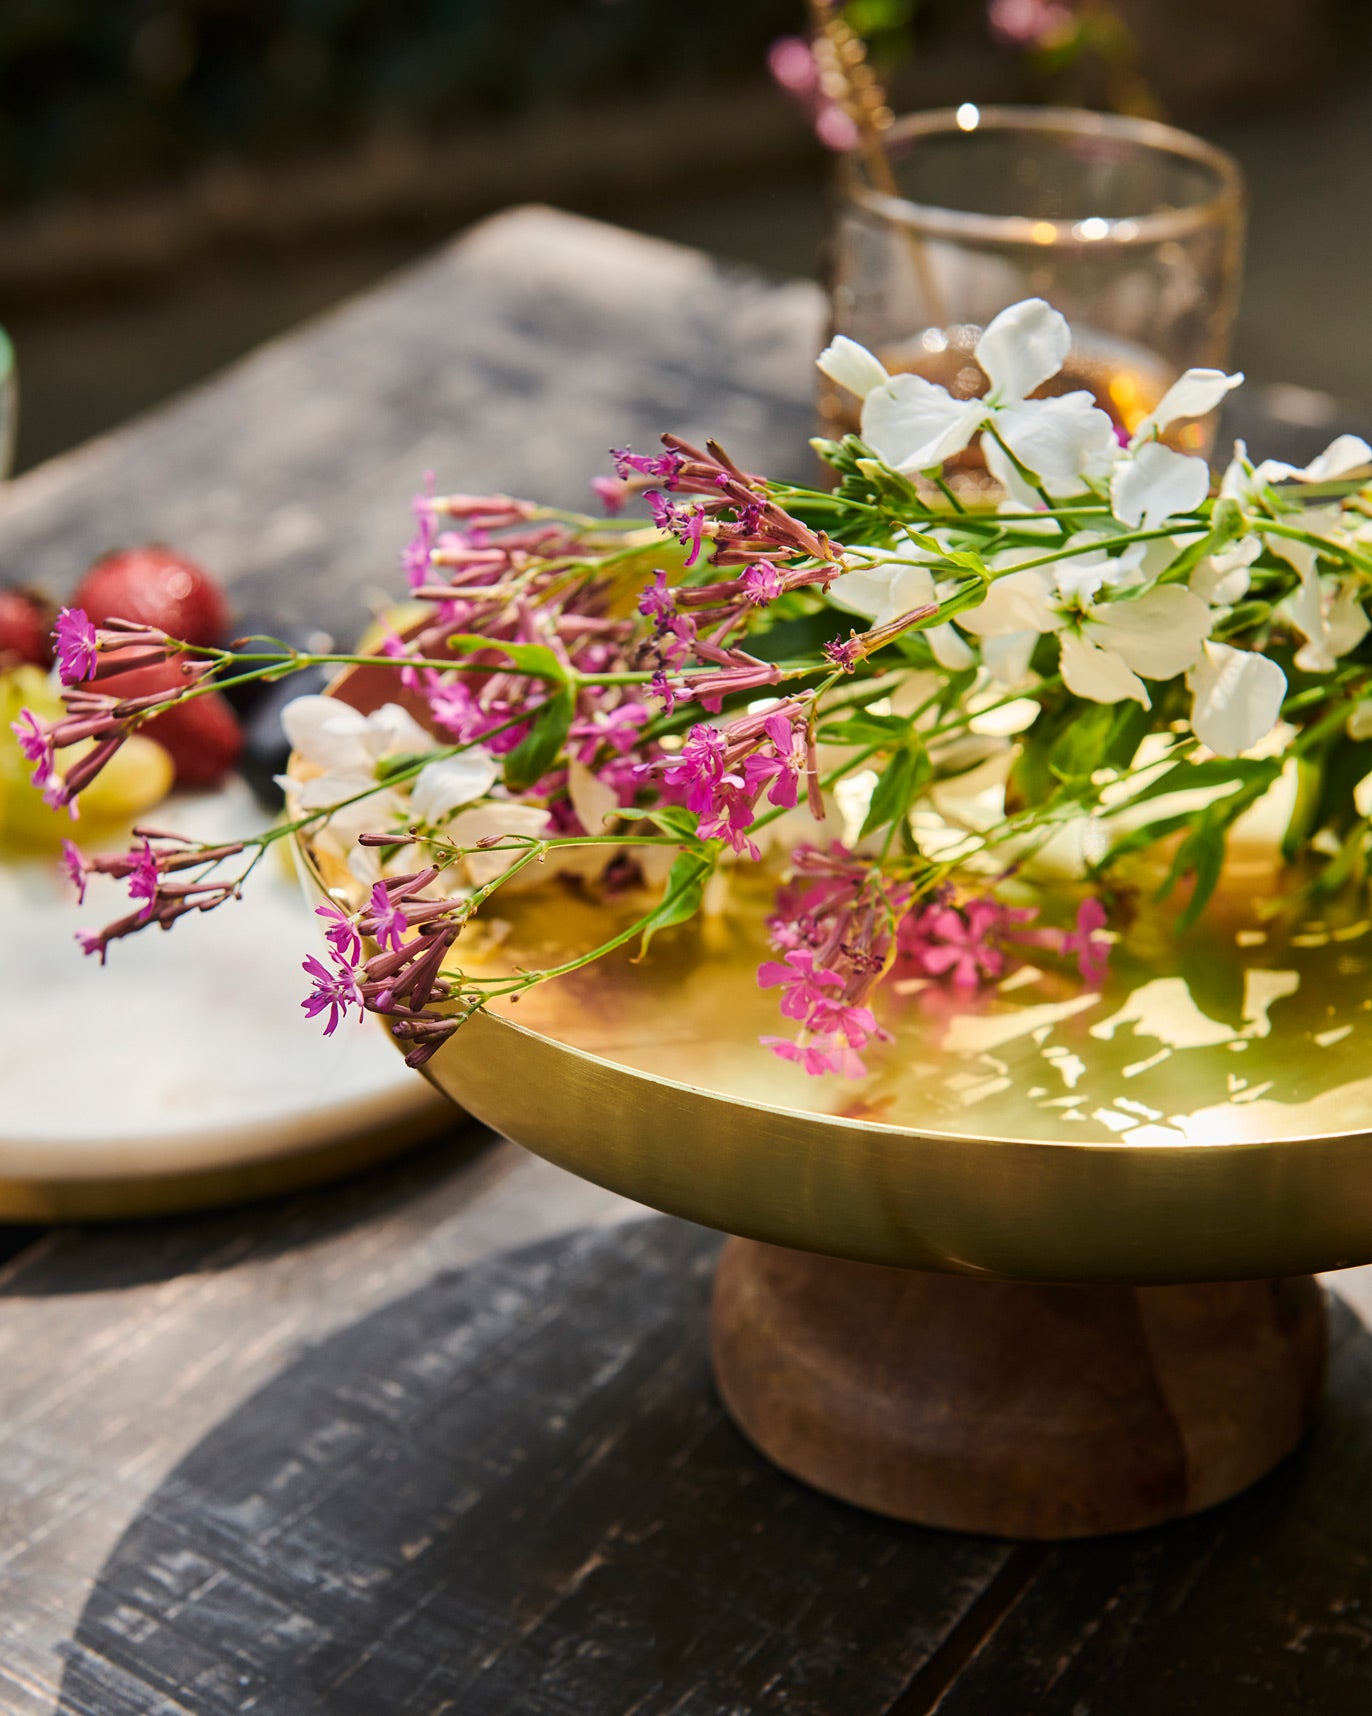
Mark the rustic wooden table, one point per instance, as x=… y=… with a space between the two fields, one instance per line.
x=442 y=1439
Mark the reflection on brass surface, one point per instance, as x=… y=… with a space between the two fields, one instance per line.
x=1204 y=1116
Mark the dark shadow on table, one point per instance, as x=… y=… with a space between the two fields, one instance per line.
x=115 y=1255
x=515 y=1491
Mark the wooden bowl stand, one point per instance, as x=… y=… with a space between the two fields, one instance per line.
x=1009 y=1408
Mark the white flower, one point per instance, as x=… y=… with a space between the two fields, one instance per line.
x=1108 y=647
x=1222 y=579
x=1237 y=698
x=852 y=366
x=332 y=736
x=1151 y=483
x=441 y=787
x=1154 y=483
x=1245 y=482
x=1194 y=393
x=914 y=424
x=346 y=746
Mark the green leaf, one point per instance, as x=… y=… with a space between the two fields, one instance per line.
x=902 y=781
x=534 y=659
x=672 y=819
x=1226 y=526
x=1214 y=771
x=681 y=897
x=1201 y=854
x=538 y=750
x=861 y=727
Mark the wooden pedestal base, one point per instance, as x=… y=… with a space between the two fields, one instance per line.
x=1025 y=1411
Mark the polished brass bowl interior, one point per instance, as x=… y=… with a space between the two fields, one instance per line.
x=1204 y=1115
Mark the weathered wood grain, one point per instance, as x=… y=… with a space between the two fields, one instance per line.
x=511 y=360
x=442 y=1440
x=512 y=1491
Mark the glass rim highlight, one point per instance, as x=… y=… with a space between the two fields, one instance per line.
x=1155 y=227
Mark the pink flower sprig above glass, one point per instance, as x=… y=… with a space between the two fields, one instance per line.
x=921 y=714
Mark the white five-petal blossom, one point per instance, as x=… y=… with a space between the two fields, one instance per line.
x=1237 y=697
x=1108 y=647
x=346 y=746
x=914 y=424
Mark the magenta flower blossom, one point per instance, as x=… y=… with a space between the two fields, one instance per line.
x=613 y=493
x=387 y=922
x=844 y=652
x=341 y=935
x=395 y=648
x=75 y=869
x=686 y=523
x=803 y=986
x=761 y=583
x=1092 y=951
x=618 y=727
x=959 y=944
x=35 y=745
x=665 y=467
x=658 y=601
x=818 y=1055
x=144 y=879
x=698 y=771
x=781 y=765
x=334 y=992
x=74 y=639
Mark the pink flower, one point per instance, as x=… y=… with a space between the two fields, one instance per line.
x=144 y=879
x=611 y=492
x=35 y=744
x=666 y=467
x=687 y=524
x=618 y=727
x=791 y=62
x=948 y=941
x=844 y=652
x=855 y=1025
x=698 y=772
x=341 y=934
x=415 y=556
x=75 y=868
x=74 y=637
x=819 y=1055
x=781 y=766
x=395 y=648
x=333 y=992
x=803 y=985
x=761 y=583
x=657 y=602
x=1093 y=954
x=386 y=920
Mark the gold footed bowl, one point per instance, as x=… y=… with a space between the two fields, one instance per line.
x=1046 y=1272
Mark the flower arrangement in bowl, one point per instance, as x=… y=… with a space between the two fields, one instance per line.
x=951 y=742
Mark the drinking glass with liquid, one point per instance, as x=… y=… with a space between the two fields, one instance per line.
x=1134 y=230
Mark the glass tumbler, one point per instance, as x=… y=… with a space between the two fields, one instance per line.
x=1134 y=230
